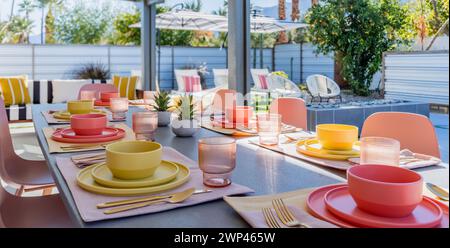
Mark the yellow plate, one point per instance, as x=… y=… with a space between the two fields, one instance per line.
x=165 y=173
x=65 y=115
x=313 y=145
x=319 y=153
x=86 y=182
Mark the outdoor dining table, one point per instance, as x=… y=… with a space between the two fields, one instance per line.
x=266 y=172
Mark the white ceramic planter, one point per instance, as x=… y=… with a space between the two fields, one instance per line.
x=164 y=119
x=185 y=128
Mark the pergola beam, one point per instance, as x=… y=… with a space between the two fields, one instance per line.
x=239 y=46
x=148 y=46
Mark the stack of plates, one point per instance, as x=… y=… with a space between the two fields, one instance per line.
x=334 y=204
x=313 y=148
x=99 y=179
x=68 y=135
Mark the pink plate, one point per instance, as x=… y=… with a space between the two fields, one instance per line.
x=58 y=137
x=107 y=132
x=100 y=103
x=340 y=202
x=316 y=205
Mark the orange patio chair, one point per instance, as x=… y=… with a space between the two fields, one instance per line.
x=25 y=175
x=27 y=212
x=292 y=110
x=415 y=132
x=98 y=88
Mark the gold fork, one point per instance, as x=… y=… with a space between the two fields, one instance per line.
x=270 y=218
x=286 y=215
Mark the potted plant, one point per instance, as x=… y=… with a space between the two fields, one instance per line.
x=185 y=124
x=162 y=106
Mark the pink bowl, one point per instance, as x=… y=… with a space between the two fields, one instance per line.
x=385 y=190
x=239 y=114
x=89 y=124
x=106 y=96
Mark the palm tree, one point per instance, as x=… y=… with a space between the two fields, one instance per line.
x=27 y=6
x=12 y=10
x=43 y=5
x=295 y=10
x=282 y=38
x=194 y=5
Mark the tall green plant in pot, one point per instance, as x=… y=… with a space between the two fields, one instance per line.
x=185 y=124
x=358 y=32
x=162 y=107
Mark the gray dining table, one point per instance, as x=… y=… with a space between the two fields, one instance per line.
x=266 y=172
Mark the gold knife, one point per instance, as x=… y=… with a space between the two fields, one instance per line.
x=144 y=199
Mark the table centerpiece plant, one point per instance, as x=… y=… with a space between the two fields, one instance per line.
x=185 y=123
x=163 y=108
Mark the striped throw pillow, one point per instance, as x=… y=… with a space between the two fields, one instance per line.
x=14 y=90
x=126 y=86
x=192 y=83
x=263 y=81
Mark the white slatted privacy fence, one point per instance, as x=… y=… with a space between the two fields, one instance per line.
x=417 y=76
x=49 y=62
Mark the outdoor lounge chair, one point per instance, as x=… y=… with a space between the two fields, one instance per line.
x=220 y=77
x=323 y=88
x=282 y=87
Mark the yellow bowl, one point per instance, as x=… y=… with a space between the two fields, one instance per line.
x=133 y=159
x=80 y=107
x=337 y=136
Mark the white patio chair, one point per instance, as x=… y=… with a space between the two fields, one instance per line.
x=283 y=87
x=220 y=77
x=321 y=87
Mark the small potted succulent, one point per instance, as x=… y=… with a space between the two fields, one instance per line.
x=162 y=106
x=185 y=124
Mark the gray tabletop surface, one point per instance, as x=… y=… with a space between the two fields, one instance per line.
x=264 y=171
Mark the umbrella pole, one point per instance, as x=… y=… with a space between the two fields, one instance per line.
x=158 y=34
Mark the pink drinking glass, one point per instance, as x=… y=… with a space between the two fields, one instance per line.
x=119 y=108
x=269 y=128
x=145 y=125
x=217 y=159
x=380 y=151
x=88 y=95
x=149 y=97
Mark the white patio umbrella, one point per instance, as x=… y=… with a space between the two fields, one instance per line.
x=189 y=20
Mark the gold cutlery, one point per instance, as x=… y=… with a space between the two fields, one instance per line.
x=291 y=139
x=144 y=199
x=271 y=221
x=438 y=191
x=176 y=198
x=285 y=214
x=82 y=147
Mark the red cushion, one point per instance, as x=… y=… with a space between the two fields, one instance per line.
x=192 y=83
x=263 y=81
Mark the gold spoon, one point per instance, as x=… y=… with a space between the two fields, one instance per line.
x=438 y=191
x=176 y=198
